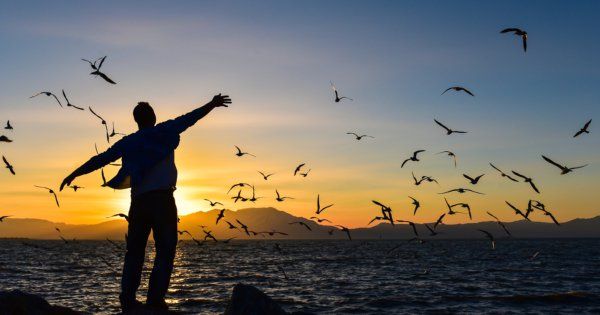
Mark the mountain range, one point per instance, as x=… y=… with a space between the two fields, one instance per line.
x=268 y=219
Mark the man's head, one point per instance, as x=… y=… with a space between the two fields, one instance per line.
x=144 y=115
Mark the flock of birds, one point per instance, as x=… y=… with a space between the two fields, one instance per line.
x=247 y=192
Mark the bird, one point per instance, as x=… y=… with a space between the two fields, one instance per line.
x=305 y=173
x=413 y=158
x=429 y=179
x=563 y=169
x=280 y=198
x=231 y=225
x=377 y=218
x=417 y=182
x=265 y=176
x=243 y=226
x=432 y=232
x=448 y=130
x=499 y=223
x=8 y=165
x=102 y=121
x=199 y=243
x=97 y=152
x=122 y=215
x=489 y=236
x=517 y=211
x=228 y=240
x=220 y=216
x=4 y=138
x=461 y=191
x=96 y=69
x=48 y=94
x=254 y=197
x=298 y=168
x=75 y=187
x=272 y=233
x=51 y=191
x=547 y=213
x=416 y=203
x=439 y=221
x=475 y=180
x=359 y=137
x=338 y=98
x=240 y=153
x=450 y=154
x=346 y=230
x=517 y=32
x=386 y=211
x=239 y=197
x=184 y=232
x=319 y=209
x=450 y=210
x=458 y=89
x=465 y=206
x=527 y=180
x=412 y=224
x=320 y=220
x=8 y=125
x=301 y=223
x=584 y=129
x=114 y=133
x=208 y=234
x=502 y=173
x=241 y=185
x=4 y=217
x=103 y=177
x=213 y=203
x=69 y=102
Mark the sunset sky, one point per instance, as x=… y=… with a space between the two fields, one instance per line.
x=276 y=59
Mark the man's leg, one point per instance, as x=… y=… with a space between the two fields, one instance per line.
x=164 y=230
x=137 y=237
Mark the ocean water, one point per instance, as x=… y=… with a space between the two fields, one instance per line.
x=326 y=277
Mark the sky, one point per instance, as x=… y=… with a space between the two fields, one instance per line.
x=276 y=60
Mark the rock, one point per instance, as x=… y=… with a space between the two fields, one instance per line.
x=20 y=303
x=248 y=300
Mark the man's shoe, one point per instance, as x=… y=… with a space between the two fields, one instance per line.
x=158 y=305
x=128 y=306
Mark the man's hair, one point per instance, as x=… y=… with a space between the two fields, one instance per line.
x=143 y=114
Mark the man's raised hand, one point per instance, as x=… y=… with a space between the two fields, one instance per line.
x=221 y=100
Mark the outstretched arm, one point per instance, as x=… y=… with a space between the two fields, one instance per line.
x=96 y=162
x=183 y=122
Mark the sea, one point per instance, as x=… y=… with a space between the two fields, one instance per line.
x=519 y=276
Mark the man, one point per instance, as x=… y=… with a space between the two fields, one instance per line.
x=148 y=168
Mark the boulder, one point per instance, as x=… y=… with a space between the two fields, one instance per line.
x=248 y=300
x=20 y=303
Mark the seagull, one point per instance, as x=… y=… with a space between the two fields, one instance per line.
x=208 y=234
x=344 y=229
x=450 y=210
x=113 y=133
x=243 y=226
x=4 y=138
x=473 y=181
x=412 y=224
x=429 y=179
x=8 y=165
x=240 y=153
x=463 y=205
x=517 y=32
x=320 y=220
x=413 y=158
x=547 y=213
x=458 y=89
x=254 y=198
x=213 y=203
x=4 y=217
x=301 y=223
x=231 y=226
x=241 y=185
x=489 y=236
x=265 y=176
x=8 y=125
x=377 y=218
x=499 y=223
x=48 y=94
x=448 y=130
x=298 y=168
x=386 y=211
x=432 y=232
x=280 y=198
x=220 y=216
x=306 y=173
x=103 y=177
x=517 y=211
x=69 y=103
x=417 y=182
x=228 y=240
x=502 y=173
x=319 y=209
x=527 y=180
x=416 y=203
x=75 y=187
x=272 y=233
x=50 y=191
x=450 y=154
x=337 y=96
x=184 y=232
x=564 y=169
x=584 y=129
x=122 y=215
x=239 y=197
x=359 y=137
x=461 y=191
x=97 y=69
x=102 y=121
x=439 y=220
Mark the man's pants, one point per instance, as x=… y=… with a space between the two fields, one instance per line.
x=156 y=211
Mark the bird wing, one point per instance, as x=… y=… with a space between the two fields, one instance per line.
x=524 y=43
x=576 y=167
x=467 y=91
x=587 y=124
x=56 y=199
x=106 y=78
x=401 y=166
x=101 y=62
x=94 y=113
x=446 y=90
x=533 y=186
x=553 y=163
x=510 y=29
x=442 y=125
x=468 y=177
x=497 y=169
x=488 y=234
x=56 y=98
x=439 y=220
x=552 y=217
x=5 y=161
x=520 y=175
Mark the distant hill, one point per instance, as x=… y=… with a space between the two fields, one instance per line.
x=268 y=219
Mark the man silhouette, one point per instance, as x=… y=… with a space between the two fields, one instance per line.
x=148 y=168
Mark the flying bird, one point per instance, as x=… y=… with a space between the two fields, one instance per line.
x=439 y=221
x=51 y=191
x=461 y=191
x=48 y=94
x=102 y=121
x=458 y=89
x=432 y=232
x=97 y=71
x=547 y=213
x=265 y=176
x=301 y=223
x=241 y=185
x=517 y=32
x=450 y=154
x=527 y=180
x=359 y=137
x=208 y=234
x=518 y=211
x=298 y=168
x=305 y=173
x=475 y=180
x=499 y=223
x=417 y=182
x=8 y=165
x=213 y=203
x=344 y=229
x=243 y=226
x=489 y=236
x=465 y=206
x=413 y=158
x=448 y=130
x=231 y=225
x=4 y=217
x=184 y=232
x=280 y=198
x=338 y=98
x=69 y=102
x=220 y=216
x=114 y=133
x=122 y=215
x=320 y=220
x=416 y=203
x=502 y=173
x=319 y=208
x=4 y=138
x=240 y=153
x=8 y=125
x=584 y=129
x=563 y=169
x=412 y=224
x=75 y=187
